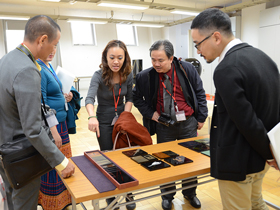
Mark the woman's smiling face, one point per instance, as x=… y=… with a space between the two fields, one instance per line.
x=115 y=58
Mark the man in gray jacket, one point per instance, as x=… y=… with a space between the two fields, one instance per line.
x=20 y=105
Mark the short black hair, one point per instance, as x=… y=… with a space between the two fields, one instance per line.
x=211 y=20
x=40 y=25
x=165 y=45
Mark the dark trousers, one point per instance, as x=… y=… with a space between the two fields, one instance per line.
x=105 y=116
x=181 y=130
x=23 y=198
x=105 y=139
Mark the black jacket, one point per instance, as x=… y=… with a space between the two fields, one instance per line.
x=146 y=89
x=247 y=104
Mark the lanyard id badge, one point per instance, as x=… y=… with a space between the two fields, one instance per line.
x=116 y=105
x=52 y=120
x=115 y=120
x=180 y=115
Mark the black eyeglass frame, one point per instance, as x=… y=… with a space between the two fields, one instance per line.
x=197 y=45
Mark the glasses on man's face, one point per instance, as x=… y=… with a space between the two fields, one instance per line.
x=197 y=45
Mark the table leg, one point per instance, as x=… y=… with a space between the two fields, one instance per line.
x=73 y=204
x=95 y=204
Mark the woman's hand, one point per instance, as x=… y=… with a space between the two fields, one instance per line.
x=93 y=125
x=56 y=136
x=58 y=141
x=68 y=96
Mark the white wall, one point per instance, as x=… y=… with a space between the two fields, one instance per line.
x=250 y=24
x=2 y=42
x=83 y=61
x=178 y=35
x=268 y=33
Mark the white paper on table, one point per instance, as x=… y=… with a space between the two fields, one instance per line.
x=66 y=78
x=274 y=137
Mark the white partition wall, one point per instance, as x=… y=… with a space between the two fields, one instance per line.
x=83 y=61
x=269 y=30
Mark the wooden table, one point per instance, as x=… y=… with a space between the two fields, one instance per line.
x=82 y=190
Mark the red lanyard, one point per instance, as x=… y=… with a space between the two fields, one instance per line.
x=116 y=102
x=174 y=87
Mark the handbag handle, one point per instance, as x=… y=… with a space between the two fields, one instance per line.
x=44 y=105
x=44 y=111
x=116 y=139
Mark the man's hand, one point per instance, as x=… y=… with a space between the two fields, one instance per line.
x=68 y=171
x=155 y=116
x=199 y=125
x=273 y=163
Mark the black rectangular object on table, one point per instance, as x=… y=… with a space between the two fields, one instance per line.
x=155 y=165
x=170 y=153
x=204 y=141
x=134 y=152
x=143 y=158
x=161 y=155
x=179 y=160
x=195 y=146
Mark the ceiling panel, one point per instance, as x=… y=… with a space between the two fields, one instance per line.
x=89 y=9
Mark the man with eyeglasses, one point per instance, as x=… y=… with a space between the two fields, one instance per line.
x=182 y=116
x=247 y=102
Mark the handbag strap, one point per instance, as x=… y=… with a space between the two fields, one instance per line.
x=44 y=111
x=116 y=139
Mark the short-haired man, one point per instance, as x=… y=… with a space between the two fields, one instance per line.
x=247 y=102
x=186 y=104
x=20 y=105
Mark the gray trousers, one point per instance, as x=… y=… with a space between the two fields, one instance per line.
x=25 y=198
x=181 y=130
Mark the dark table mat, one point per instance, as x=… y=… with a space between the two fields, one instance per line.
x=94 y=175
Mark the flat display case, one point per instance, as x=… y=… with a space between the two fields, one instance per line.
x=117 y=175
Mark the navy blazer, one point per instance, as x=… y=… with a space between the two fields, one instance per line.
x=247 y=104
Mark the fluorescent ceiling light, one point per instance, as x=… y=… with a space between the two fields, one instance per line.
x=51 y=0
x=72 y=2
x=181 y=12
x=88 y=21
x=13 y=17
x=148 y=25
x=124 y=5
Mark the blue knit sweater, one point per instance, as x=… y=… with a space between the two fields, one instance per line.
x=51 y=91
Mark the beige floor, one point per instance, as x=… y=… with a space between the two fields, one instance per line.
x=207 y=193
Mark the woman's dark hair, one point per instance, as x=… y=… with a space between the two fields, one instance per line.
x=107 y=74
x=41 y=25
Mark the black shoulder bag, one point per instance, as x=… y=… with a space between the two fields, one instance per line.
x=21 y=161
